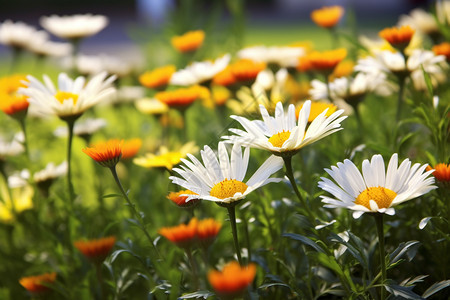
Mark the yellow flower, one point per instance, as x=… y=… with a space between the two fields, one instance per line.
x=20 y=200
x=165 y=158
x=316 y=109
x=151 y=106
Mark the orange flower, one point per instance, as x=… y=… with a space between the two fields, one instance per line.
x=207 y=231
x=441 y=172
x=233 y=280
x=96 y=250
x=182 y=235
x=190 y=41
x=107 y=154
x=397 y=37
x=327 y=16
x=12 y=103
x=327 y=61
x=442 y=49
x=34 y=284
x=158 y=78
x=180 y=98
x=246 y=69
x=316 y=109
x=304 y=65
x=131 y=147
x=179 y=200
x=224 y=77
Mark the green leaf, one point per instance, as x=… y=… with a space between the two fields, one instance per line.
x=402 y=291
x=330 y=263
x=111 y=196
x=402 y=249
x=436 y=288
x=428 y=82
x=268 y=285
x=198 y=294
x=304 y=240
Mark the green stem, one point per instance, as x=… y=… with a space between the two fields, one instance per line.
x=70 y=125
x=194 y=267
x=334 y=38
x=232 y=216
x=247 y=239
x=98 y=271
x=327 y=83
x=135 y=213
x=380 y=231
x=290 y=176
x=25 y=137
x=401 y=86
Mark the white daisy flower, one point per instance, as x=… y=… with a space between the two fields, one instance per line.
x=71 y=97
x=75 y=26
x=375 y=190
x=45 y=47
x=420 y=20
x=220 y=178
x=17 y=35
x=13 y=148
x=285 y=57
x=83 y=128
x=50 y=172
x=281 y=134
x=94 y=64
x=199 y=72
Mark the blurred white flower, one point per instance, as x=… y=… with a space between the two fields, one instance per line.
x=128 y=93
x=85 y=127
x=17 y=35
x=94 y=64
x=285 y=57
x=74 y=26
x=200 y=72
x=421 y=20
x=19 y=179
x=71 y=97
x=443 y=11
x=12 y=148
x=42 y=45
x=51 y=172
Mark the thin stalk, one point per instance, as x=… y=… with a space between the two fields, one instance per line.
x=327 y=83
x=290 y=176
x=25 y=137
x=380 y=231
x=70 y=125
x=98 y=271
x=401 y=88
x=194 y=267
x=247 y=239
x=135 y=213
x=334 y=38
x=232 y=216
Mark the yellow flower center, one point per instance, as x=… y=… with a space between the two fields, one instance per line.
x=62 y=96
x=382 y=196
x=227 y=188
x=278 y=139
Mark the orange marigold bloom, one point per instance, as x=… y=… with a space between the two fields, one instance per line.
x=131 y=147
x=181 y=98
x=96 y=250
x=182 y=235
x=233 y=280
x=397 y=37
x=107 y=154
x=327 y=16
x=178 y=199
x=207 y=231
x=190 y=41
x=327 y=61
x=158 y=78
x=304 y=65
x=34 y=284
x=225 y=77
x=441 y=172
x=11 y=103
x=247 y=69
x=316 y=109
x=442 y=49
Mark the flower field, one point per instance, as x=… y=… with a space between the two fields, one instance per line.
x=216 y=169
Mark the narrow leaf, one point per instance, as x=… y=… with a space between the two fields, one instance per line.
x=436 y=288
x=304 y=240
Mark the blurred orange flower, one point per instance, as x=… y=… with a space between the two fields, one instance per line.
x=96 y=250
x=233 y=280
x=179 y=200
x=12 y=103
x=225 y=77
x=131 y=147
x=343 y=69
x=190 y=41
x=327 y=61
x=183 y=97
x=441 y=172
x=182 y=235
x=246 y=69
x=158 y=78
x=442 y=49
x=327 y=16
x=107 y=154
x=398 y=37
x=34 y=284
x=207 y=231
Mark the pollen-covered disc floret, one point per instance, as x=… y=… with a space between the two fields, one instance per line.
x=282 y=134
x=220 y=177
x=375 y=190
